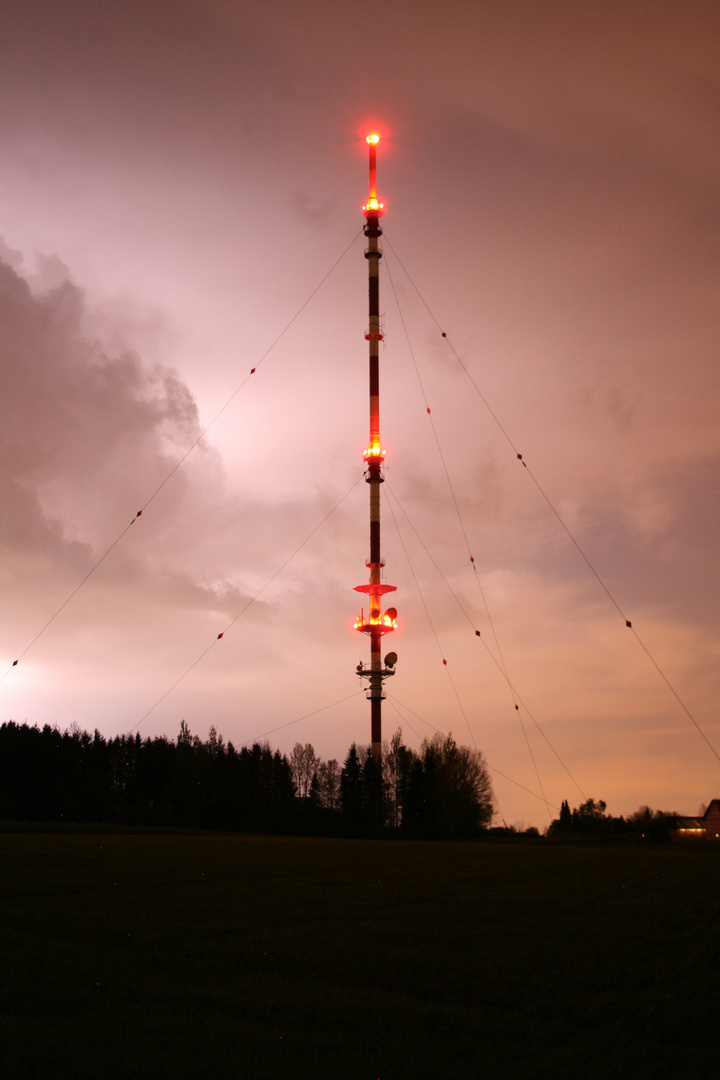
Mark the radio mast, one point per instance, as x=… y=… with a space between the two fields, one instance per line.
x=376 y=623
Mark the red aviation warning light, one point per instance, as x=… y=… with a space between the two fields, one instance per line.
x=376 y=623
x=372 y=206
x=373 y=453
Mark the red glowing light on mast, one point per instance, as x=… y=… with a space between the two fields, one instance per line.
x=373 y=206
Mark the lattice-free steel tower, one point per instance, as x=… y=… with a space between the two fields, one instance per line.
x=376 y=623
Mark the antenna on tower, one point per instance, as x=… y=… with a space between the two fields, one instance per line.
x=376 y=623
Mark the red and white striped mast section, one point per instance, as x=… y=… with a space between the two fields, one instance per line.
x=376 y=623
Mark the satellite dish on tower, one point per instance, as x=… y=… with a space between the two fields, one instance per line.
x=391 y=659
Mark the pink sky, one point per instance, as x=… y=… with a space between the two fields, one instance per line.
x=177 y=179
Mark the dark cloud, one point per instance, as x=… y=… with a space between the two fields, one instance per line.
x=80 y=426
x=88 y=438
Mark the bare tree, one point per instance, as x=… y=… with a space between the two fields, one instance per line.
x=303 y=764
x=328 y=777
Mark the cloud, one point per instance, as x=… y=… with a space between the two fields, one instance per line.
x=81 y=429
x=90 y=436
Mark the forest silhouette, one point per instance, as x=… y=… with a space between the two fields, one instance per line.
x=444 y=791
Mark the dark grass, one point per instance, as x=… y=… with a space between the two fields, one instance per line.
x=194 y=956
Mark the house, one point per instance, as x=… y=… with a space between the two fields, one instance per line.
x=688 y=828
x=699 y=828
x=712 y=820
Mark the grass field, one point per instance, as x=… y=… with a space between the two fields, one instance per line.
x=223 y=956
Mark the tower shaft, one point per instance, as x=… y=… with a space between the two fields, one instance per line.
x=376 y=624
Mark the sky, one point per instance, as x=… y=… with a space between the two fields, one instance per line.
x=182 y=192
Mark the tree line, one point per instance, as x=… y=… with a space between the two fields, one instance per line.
x=589 y=821
x=442 y=791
